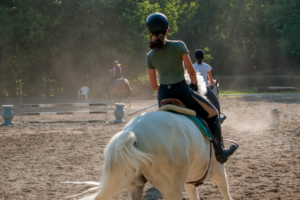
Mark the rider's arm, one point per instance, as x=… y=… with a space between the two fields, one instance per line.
x=210 y=78
x=189 y=66
x=153 y=79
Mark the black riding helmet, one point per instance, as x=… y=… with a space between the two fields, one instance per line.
x=157 y=22
x=199 y=54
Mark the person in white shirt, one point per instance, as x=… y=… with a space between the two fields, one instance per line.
x=205 y=70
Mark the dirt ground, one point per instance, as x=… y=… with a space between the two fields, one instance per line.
x=37 y=158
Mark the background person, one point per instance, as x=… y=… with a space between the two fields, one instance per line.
x=205 y=71
x=117 y=71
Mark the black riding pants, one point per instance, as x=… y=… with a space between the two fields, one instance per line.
x=212 y=97
x=191 y=99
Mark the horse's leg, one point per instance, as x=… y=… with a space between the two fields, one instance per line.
x=170 y=176
x=191 y=191
x=135 y=189
x=119 y=96
x=219 y=175
x=111 y=94
x=170 y=191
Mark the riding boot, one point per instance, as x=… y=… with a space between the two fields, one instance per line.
x=221 y=153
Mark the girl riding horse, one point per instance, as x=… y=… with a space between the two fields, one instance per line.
x=117 y=71
x=118 y=86
x=205 y=71
x=167 y=57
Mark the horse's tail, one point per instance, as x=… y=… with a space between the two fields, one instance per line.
x=123 y=161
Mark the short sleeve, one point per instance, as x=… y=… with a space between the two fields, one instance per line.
x=182 y=48
x=208 y=68
x=149 y=65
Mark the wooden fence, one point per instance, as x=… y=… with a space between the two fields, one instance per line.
x=249 y=82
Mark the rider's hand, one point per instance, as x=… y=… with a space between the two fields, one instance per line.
x=194 y=87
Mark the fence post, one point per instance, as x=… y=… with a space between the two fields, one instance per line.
x=7 y=115
x=119 y=113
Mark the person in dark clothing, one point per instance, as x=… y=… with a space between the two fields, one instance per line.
x=166 y=57
x=117 y=71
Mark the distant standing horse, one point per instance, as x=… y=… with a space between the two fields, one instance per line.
x=120 y=86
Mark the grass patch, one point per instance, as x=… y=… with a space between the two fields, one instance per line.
x=251 y=91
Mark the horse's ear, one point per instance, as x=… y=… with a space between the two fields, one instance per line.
x=217 y=82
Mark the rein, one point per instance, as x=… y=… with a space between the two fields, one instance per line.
x=201 y=181
x=140 y=110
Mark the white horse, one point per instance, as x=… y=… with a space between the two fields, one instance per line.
x=163 y=148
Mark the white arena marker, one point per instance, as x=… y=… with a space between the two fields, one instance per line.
x=274 y=117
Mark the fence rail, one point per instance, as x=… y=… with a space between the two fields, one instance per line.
x=249 y=82
x=64 y=112
x=62 y=105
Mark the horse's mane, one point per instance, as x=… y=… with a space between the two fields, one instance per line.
x=201 y=84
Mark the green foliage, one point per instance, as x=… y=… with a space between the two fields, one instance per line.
x=232 y=31
x=56 y=47
x=141 y=87
x=283 y=20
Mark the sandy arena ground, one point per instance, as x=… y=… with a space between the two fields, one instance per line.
x=37 y=158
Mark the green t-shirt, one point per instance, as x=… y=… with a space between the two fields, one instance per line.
x=168 y=62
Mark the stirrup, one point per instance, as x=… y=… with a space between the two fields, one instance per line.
x=236 y=144
x=223 y=157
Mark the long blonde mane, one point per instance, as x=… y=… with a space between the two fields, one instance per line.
x=202 y=89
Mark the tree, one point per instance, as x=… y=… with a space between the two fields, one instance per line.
x=283 y=21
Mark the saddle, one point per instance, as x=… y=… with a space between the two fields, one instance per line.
x=176 y=106
x=175 y=102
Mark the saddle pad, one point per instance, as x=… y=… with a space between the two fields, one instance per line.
x=180 y=110
x=190 y=114
x=200 y=125
x=118 y=80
